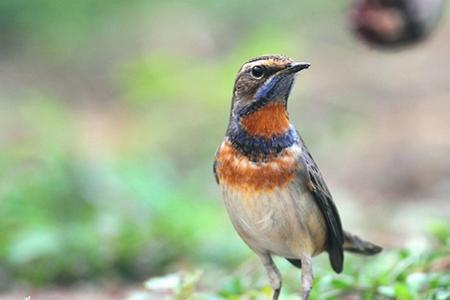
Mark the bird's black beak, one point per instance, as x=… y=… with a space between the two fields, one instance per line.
x=296 y=67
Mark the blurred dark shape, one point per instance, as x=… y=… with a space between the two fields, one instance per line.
x=394 y=23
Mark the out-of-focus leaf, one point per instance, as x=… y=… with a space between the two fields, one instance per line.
x=402 y=292
x=188 y=286
x=139 y=296
x=387 y=291
x=168 y=282
x=417 y=282
x=443 y=294
x=441 y=230
x=181 y=286
x=343 y=282
x=233 y=286
x=34 y=244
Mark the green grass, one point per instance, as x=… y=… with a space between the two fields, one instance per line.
x=420 y=272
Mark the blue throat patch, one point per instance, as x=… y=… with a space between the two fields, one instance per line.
x=258 y=148
x=276 y=87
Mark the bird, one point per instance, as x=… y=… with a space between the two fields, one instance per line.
x=273 y=191
x=394 y=24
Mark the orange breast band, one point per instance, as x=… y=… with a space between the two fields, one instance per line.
x=238 y=172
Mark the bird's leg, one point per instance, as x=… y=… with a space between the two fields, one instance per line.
x=273 y=274
x=307 y=276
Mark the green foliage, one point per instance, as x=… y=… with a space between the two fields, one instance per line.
x=64 y=217
x=137 y=200
x=406 y=274
x=55 y=30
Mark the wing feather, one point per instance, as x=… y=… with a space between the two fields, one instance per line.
x=324 y=200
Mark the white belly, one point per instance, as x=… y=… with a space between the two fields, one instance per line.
x=283 y=222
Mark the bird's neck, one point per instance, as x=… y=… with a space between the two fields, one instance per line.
x=263 y=133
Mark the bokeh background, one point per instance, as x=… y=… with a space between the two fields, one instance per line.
x=110 y=114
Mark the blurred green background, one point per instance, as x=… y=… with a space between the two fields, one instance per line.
x=111 y=111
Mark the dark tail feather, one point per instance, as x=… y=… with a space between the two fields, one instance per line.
x=353 y=243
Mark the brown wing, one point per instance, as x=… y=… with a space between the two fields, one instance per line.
x=324 y=200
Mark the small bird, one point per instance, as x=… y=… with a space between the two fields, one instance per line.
x=391 y=24
x=273 y=190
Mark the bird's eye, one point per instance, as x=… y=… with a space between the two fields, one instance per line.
x=258 y=71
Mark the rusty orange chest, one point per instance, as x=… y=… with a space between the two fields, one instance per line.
x=236 y=171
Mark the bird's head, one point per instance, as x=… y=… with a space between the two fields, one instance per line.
x=259 y=124
x=261 y=81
